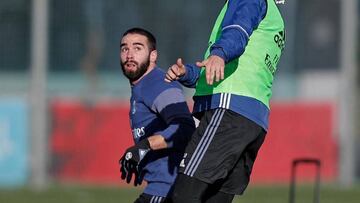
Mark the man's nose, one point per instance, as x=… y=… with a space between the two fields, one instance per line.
x=130 y=54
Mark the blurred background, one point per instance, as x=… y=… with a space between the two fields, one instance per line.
x=64 y=101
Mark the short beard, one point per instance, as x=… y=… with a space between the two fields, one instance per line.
x=135 y=75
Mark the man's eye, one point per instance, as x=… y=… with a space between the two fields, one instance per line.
x=124 y=49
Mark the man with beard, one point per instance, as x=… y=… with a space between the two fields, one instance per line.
x=160 y=120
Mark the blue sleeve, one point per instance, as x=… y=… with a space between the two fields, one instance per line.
x=173 y=109
x=191 y=76
x=241 y=18
x=179 y=132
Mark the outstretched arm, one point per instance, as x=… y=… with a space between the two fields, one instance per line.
x=241 y=18
x=187 y=75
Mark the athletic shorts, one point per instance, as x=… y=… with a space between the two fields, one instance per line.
x=146 y=198
x=222 y=150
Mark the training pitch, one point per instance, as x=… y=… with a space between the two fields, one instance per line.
x=96 y=194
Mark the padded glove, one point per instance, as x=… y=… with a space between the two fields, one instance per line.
x=130 y=161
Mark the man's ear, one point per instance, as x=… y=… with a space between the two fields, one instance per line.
x=153 y=56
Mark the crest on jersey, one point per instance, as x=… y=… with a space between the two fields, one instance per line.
x=133 y=107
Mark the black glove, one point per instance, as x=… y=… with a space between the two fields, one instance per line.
x=130 y=161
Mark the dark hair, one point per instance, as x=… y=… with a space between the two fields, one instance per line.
x=150 y=37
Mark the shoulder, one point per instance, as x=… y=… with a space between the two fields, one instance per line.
x=156 y=81
x=155 y=85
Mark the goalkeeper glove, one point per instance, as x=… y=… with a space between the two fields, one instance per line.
x=131 y=159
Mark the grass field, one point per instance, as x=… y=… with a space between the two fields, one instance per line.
x=254 y=194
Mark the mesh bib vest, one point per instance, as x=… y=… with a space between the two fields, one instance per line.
x=250 y=75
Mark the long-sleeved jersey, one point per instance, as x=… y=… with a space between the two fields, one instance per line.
x=159 y=108
x=249 y=35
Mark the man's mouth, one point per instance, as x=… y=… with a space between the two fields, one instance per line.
x=131 y=64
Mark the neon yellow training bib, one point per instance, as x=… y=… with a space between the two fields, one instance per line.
x=253 y=72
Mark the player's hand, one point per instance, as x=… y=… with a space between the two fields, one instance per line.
x=130 y=161
x=214 y=67
x=175 y=71
x=128 y=169
x=137 y=152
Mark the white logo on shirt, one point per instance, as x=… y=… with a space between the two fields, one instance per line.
x=138 y=132
x=182 y=163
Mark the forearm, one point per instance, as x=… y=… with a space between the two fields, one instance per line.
x=157 y=142
x=179 y=132
x=176 y=134
x=231 y=46
x=191 y=76
x=241 y=19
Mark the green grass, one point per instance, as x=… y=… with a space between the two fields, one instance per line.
x=304 y=194
x=92 y=194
